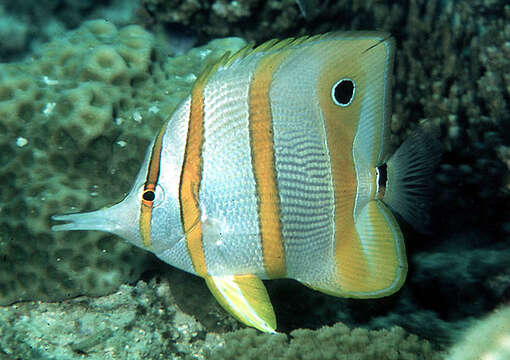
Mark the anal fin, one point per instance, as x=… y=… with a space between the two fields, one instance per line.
x=246 y=298
x=376 y=265
x=370 y=258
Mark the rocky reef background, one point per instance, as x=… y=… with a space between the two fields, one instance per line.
x=84 y=85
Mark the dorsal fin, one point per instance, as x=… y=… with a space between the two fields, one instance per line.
x=271 y=45
x=211 y=68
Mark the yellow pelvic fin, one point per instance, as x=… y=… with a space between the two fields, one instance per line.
x=246 y=298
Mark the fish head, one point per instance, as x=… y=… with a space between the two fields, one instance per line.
x=146 y=215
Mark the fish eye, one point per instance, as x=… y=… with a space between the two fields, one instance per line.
x=148 y=195
x=153 y=197
x=343 y=92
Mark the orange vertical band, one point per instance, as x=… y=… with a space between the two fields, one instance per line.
x=190 y=180
x=262 y=152
x=150 y=185
x=341 y=124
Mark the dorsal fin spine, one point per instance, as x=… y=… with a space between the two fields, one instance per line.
x=271 y=45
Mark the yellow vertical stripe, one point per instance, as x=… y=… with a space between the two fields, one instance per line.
x=150 y=185
x=353 y=256
x=341 y=124
x=145 y=223
x=261 y=143
x=191 y=176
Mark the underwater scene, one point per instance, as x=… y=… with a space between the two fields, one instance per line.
x=225 y=149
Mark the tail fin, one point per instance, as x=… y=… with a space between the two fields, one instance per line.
x=410 y=177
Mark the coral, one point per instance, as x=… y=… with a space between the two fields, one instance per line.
x=335 y=342
x=75 y=121
x=13 y=33
x=226 y=18
x=488 y=338
x=25 y=25
x=453 y=77
x=136 y=322
x=144 y=321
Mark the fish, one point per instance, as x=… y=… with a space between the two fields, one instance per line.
x=279 y=165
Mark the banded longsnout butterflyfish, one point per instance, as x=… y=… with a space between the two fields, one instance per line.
x=277 y=166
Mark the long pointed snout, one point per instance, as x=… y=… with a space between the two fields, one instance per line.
x=93 y=220
x=120 y=219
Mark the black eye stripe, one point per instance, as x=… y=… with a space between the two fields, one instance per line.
x=149 y=195
x=343 y=92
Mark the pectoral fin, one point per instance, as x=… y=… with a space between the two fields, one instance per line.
x=246 y=298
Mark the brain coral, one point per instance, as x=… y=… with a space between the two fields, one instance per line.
x=75 y=120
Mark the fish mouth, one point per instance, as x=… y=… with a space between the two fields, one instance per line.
x=93 y=220
x=121 y=219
